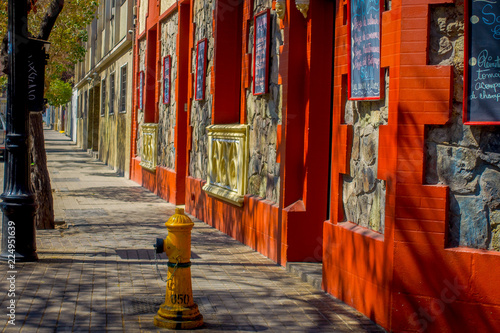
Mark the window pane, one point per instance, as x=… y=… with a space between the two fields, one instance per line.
x=123 y=89
x=112 y=94
x=103 y=97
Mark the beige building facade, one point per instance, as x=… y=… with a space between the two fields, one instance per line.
x=104 y=86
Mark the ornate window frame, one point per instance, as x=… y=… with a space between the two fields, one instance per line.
x=149 y=154
x=228 y=162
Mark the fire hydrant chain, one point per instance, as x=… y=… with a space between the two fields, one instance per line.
x=159 y=272
x=158 y=269
x=175 y=269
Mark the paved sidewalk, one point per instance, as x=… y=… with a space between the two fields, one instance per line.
x=96 y=273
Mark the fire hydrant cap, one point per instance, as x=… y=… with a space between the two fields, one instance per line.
x=179 y=219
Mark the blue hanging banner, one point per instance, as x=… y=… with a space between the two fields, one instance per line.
x=364 y=49
x=261 y=58
x=201 y=56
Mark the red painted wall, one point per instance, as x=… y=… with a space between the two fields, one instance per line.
x=358 y=262
x=406 y=280
x=166 y=183
x=305 y=69
x=255 y=224
x=435 y=288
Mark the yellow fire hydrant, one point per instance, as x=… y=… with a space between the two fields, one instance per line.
x=179 y=310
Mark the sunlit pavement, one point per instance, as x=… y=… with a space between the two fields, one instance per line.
x=96 y=271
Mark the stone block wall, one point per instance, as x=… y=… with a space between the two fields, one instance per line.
x=140 y=113
x=201 y=111
x=264 y=115
x=166 y=128
x=166 y=4
x=363 y=194
x=466 y=158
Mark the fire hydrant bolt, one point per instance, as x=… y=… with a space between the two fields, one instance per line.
x=179 y=310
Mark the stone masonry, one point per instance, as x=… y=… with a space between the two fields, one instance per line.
x=363 y=194
x=264 y=116
x=466 y=158
x=166 y=128
x=201 y=111
x=140 y=113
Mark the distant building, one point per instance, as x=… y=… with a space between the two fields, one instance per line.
x=3 y=106
x=104 y=86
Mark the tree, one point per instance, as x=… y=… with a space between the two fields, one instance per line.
x=64 y=26
x=59 y=92
x=66 y=35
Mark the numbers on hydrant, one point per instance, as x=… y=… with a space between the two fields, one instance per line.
x=180 y=299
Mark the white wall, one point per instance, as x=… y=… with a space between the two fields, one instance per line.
x=74 y=118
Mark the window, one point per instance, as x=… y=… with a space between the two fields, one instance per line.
x=113 y=5
x=103 y=97
x=123 y=89
x=84 y=113
x=112 y=93
x=79 y=106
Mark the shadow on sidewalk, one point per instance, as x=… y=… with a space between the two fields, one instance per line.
x=117 y=193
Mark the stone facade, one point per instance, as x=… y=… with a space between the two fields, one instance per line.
x=264 y=116
x=466 y=158
x=166 y=130
x=166 y=4
x=140 y=113
x=201 y=111
x=363 y=194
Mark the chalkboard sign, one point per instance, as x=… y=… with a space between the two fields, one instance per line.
x=201 y=57
x=166 y=79
x=141 y=90
x=261 y=57
x=482 y=63
x=364 y=49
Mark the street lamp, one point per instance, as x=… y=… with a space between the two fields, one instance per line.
x=18 y=226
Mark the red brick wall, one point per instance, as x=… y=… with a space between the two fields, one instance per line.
x=406 y=279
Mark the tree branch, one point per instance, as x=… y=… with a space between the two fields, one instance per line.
x=50 y=18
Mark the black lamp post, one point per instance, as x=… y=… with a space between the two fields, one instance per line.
x=18 y=200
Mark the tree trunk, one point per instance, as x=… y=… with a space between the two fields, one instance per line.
x=40 y=180
x=44 y=215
